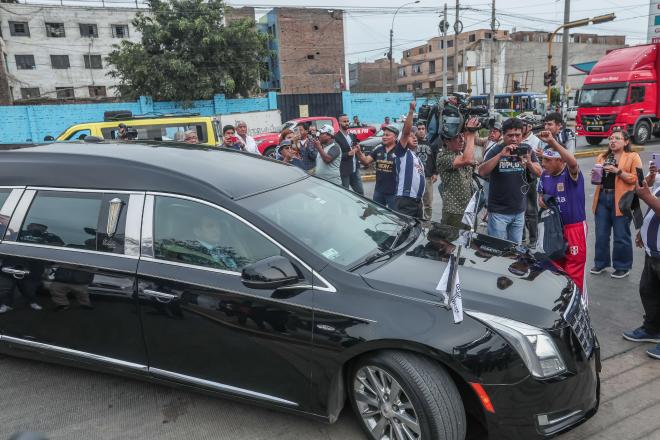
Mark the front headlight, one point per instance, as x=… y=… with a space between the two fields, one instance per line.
x=534 y=345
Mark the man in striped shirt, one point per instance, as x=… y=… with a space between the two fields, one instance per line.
x=649 y=286
x=409 y=171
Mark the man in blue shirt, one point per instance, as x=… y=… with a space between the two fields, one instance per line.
x=649 y=286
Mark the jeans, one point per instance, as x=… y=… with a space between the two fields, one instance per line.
x=384 y=199
x=606 y=221
x=354 y=180
x=409 y=206
x=507 y=226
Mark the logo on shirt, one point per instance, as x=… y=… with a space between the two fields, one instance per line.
x=560 y=187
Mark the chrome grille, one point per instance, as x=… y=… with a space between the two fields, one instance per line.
x=577 y=316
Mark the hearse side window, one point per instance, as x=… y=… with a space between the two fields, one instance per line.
x=79 y=134
x=158 y=132
x=66 y=219
x=194 y=233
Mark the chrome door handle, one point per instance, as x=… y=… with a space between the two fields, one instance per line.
x=160 y=296
x=19 y=274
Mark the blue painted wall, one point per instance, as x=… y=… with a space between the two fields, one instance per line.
x=27 y=123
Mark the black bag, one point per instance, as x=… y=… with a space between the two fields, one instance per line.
x=551 y=240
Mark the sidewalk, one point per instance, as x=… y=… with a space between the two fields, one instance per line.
x=630 y=400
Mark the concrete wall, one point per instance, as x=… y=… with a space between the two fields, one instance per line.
x=373 y=107
x=72 y=44
x=30 y=123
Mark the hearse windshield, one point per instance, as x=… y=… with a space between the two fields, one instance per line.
x=334 y=223
x=603 y=96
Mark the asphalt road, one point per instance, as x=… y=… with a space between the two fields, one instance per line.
x=69 y=403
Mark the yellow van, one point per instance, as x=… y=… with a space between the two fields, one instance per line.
x=147 y=127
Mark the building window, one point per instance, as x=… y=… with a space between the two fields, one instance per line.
x=310 y=57
x=402 y=72
x=93 y=62
x=29 y=92
x=430 y=48
x=19 y=29
x=97 y=91
x=432 y=66
x=472 y=38
x=450 y=43
x=60 y=61
x=450 y=63
x=421 y=51
x=402 y=88
x=25 y=62
x=64 y=92
x=489 y=35
x=417 y=85
x=55 y=30
x=408 y=53
x=431 y=84
x=416 y=69
x=120 y=31
x=89 y=30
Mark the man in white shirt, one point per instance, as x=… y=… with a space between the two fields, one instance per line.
x=248 y=142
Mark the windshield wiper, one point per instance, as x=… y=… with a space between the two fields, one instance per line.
x=393 y=249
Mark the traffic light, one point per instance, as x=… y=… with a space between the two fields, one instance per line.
x=553 y=76
x=546 y=79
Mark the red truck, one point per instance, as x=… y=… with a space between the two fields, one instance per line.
x=621 y=92
x=266 y=142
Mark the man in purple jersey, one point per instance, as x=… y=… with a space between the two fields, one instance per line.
x=563 y=180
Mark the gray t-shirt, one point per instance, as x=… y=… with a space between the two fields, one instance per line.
x=329 y=171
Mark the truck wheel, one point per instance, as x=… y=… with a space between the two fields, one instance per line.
x=642 y=133
x=401 y=395
x=270 y=152
x=591 y=140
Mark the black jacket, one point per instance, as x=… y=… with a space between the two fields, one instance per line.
x=346 y=166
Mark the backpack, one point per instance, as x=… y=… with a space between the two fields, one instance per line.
x=551 y=240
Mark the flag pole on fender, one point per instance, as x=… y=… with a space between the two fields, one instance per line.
x=450 y=285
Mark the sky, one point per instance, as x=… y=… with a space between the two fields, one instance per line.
x=368 y=22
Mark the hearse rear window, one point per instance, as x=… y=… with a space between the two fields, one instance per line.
x=157 y=132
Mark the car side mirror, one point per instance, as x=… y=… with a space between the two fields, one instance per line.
x=269 y=273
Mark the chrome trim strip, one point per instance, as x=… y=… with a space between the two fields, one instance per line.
x=159 y=295
x=147 y=234
x=75 y=250
x=69 y=351
x=81 y=190
x=19 y=215
x=133 y=225
x=328 y=287
x=219 y=386
x=191 y=266
x=11 y=187
x=11 y=202
x=544 y=420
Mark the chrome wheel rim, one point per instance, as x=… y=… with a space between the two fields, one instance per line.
x=643 y=133
x=385 y=409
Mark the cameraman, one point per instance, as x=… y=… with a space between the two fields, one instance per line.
x=455 y=167
x=505 y=165
x=307 y=149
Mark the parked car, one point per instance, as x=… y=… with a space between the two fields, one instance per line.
x=369 y=144
x=571 y=113
x=152 y=127
x=267 y=142
x=188 y=272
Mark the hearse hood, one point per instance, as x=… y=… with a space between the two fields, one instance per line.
x=496 y=276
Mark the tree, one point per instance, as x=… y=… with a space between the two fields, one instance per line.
x=187 y=53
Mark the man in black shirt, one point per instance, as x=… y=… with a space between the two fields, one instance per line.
x=349 y=168
x=427 y=154
x=383 y=156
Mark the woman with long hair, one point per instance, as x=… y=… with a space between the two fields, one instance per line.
x=618 y=177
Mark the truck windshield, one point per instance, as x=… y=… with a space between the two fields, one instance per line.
x=608 y=97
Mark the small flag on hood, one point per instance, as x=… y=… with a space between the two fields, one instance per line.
x=450 y=287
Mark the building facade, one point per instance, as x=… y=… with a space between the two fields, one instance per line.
x=307 y=48
x=373 y=77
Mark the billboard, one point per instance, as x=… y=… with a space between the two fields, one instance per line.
x=654 y=22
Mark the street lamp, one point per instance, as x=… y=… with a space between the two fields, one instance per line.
x=389 y=54
x=570 y=25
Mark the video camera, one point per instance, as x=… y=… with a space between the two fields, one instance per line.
x=447 y=118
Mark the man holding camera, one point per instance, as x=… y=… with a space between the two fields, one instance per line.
x=349 y=168
x=308 y=152
x=505 y=165
x=649 y=287
x=455 y=167
x=229 y=138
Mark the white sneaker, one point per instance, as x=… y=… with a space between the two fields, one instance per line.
x=5 y=308
x=35 y=306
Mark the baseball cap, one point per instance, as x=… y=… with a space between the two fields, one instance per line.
x=285 y=143
x=497 y=126
x=327 y=129
x=392 y=129
x=551 y=154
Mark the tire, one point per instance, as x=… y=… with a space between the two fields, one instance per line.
x=428 y=405
x=591 y=140
x=642 y=133
x=270 y=152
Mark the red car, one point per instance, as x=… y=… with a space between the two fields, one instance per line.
x=267 y=142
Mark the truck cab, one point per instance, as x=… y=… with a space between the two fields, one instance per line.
x=621 y=93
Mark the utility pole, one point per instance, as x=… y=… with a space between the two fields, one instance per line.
x=443 y=26
x=491 y=92
x=564 y=55
x=391 y=56
x=455 y=67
